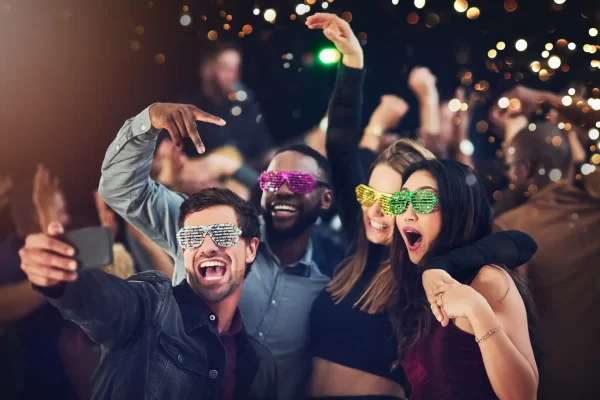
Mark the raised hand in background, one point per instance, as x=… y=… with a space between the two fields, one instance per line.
x=339 y=32
x=48 y=199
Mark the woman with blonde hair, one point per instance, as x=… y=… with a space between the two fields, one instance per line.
x=352 y=340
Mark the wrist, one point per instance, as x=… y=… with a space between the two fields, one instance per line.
x=479 y=308
x=374 y=130
x=355 y=61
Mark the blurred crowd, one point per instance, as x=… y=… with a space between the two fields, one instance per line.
x=552 y=194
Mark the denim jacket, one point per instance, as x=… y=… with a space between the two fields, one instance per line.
x=157 y=342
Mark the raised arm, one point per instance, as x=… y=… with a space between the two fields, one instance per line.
x=125 y=184
x=349 y=163
x=110 y=310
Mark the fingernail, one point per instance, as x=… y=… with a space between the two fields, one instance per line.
x=71 y=252
x=201 y=149
x=73 y=265
x=223 y=121
x=439 y=319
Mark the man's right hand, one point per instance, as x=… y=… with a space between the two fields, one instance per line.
x=46 y=260
x=180 y=121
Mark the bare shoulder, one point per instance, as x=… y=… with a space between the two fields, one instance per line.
x=495 y=284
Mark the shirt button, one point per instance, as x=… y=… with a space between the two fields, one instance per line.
x=273 y=302
x=143 y=127
x=180 y=358
x=260 y=334
x=212 y=317
x=213 y=374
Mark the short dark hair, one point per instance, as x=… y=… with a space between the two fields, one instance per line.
x=215 y=49
x=247 y=217
x=540 y=148
x=321 y=160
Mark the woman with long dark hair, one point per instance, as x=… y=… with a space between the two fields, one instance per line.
x=351 y=337
x=486 y=351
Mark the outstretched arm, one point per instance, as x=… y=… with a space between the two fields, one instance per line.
x=125 y=184
x=110 y=310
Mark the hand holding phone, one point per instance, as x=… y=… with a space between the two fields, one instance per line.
x=53 y=258
x=93 y=246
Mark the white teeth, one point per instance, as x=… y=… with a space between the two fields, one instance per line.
x=377 y=225
x=207 y=264
x=283 y=207
x=213 y=278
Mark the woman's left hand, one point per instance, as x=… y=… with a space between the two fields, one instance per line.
x=457 y=300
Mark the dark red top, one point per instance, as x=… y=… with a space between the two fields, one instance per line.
x=447 y=365
x=230 y=345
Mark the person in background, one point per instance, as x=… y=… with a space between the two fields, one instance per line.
x=222 y=93
x=159 y=340
x=486 y=351
x=37 y=324
x=563 y=215
x=352 y=340
x=285 y=279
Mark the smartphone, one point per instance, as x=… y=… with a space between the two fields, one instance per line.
x=93 y=246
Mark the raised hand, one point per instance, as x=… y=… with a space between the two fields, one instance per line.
x=6 y=185
x=457 y=300
x=422 y=82
x=46 y=260
x=339 y=32
x=389 y=112
x=506 y=125
x=46 y=190
x=432 y=280
x=180 y=121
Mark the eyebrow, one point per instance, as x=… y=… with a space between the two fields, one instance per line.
x=421 y=188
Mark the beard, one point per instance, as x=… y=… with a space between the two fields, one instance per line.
x=305 y=220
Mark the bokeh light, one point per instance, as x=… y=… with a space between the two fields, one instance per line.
x=593 y=32
x=454 y=105
x=461 y=5
x=503 y=102
x=419 y=3
x=594 y=134
x=213 y=35
x=521 y=45
x=492 y=53
x=500 y=45
x=159 y=58
x=473 y=13
x=412 y=18
x=185 y=20
x=270 y=15
x=329 y=56
x=554 y=62
x=510 y=5
x=567 y=101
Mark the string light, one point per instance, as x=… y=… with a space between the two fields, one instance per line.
x=492 y=53
x=256 y=11
x=594 y=134
x=418 y=3
x=549 y=46
x=185 y=20
x=503 y=102
x=454 y=105
x=545 y=54
x=593 y=32
x=500 y=45
x=324 y=5
x=560 y=1
x=395 y=2
x=572 y=46
x=567 y=101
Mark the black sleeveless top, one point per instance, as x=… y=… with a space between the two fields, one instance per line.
x=345 y=335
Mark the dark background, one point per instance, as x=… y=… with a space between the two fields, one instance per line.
x=68 y=78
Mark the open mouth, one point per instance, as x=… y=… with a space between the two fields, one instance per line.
x=378 y=226
x=413 y=238
x=283 y=210
x=212 y=270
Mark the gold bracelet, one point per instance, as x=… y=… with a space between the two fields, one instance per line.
x=488 y=334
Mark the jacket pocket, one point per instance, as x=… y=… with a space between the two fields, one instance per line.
x=175 y=372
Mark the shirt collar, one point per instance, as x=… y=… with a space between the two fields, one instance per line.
x=195 y=313
x=300 y=267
